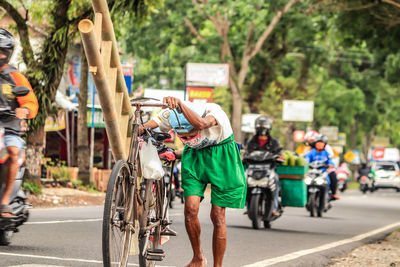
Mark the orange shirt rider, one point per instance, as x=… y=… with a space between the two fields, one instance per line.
x=10 y=81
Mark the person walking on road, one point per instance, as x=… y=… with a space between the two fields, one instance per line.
x=211 y=156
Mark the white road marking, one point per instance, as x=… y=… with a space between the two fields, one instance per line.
x=62 y=259
x=36 y=265
x=300 y=253
x=65 y=221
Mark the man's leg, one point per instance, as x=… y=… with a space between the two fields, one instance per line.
x=11 y=174
x=193 y=229
x=333 y=185
x=275 y=205
x=219 y=235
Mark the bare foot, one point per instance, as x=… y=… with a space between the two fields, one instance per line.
x=198 y=262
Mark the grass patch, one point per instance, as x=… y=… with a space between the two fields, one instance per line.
x=33 y=187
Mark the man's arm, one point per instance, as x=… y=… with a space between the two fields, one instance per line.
x=28 y=104
x=198 y=122
x=150 y=124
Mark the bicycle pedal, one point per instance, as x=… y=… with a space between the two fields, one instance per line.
x=155 y=254
x=169 y=232
x=154 y=258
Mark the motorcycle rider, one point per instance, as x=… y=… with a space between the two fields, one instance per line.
x=319 y=153
x=364 y=170
x=25 y=107
x=310 y=139
x=263 y=141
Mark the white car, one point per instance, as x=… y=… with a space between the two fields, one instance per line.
x=387 y=175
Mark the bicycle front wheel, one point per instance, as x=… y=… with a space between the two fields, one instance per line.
x=116 y=236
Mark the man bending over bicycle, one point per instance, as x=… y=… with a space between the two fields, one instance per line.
x=24 y=105
x=211 y=156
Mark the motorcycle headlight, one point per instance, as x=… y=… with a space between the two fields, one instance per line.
x=251 y=182
x=308 y=180
x=320 y=181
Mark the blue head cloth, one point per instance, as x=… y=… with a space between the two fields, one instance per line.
x=185 y=126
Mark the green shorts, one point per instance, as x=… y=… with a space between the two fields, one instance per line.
x=220 y=166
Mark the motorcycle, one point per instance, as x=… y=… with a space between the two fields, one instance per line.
x=18 y=197
x=169 y=184
x=366 y=184
x=342 y=181
x=261 y=186
x=319 y=194
x=168 y=158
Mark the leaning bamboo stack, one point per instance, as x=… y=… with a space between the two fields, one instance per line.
x=101 y=50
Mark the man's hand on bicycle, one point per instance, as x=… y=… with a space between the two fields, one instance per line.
x=171 y=102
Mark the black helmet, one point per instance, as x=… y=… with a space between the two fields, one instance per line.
x=7 y=43
x=263 y=125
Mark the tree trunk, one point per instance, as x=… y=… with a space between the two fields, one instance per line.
x=290 y=145
x=369 y=137
x=353 y=136
x=35 y=146
x=83 y=145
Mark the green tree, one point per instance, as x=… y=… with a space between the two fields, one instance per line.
x=45 y=66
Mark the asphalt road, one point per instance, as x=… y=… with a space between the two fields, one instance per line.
x=72 y=236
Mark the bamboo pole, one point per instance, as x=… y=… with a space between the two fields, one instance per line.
x=98 y=73
x=100 y=6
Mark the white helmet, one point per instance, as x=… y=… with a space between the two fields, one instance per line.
x=311 y=135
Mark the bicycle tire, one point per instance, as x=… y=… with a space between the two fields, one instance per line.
x=152 y=211
x=118 y=197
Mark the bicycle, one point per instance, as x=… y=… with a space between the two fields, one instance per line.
x=135 y=208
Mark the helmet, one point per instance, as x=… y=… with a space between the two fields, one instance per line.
x=311 y=136
x=7 y=43
x=263 y=125
x=321 y=139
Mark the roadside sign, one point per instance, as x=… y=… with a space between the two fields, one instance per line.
x=248 y=121
x=298 y=110
x=298 y=136
x=341 y=141
x=381 y=141
x=349 y=156
x=385 y=154
x=200 y=94
x=127 y=70
x=300 y=149
x=337 y=150
x=55 y=123
x=203 y=74
x=330 y=131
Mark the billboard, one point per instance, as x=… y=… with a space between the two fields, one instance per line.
x=385 y=154
x=202 y=74
x=200 y=94
x=298 y=110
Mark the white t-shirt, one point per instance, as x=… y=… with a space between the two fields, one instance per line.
x=207 y=137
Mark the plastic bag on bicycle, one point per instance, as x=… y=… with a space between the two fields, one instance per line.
x=150 y=163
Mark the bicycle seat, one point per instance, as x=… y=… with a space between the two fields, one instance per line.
x=161 y=136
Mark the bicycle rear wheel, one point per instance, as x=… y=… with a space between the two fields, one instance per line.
x=154 y=194
x=116 y=236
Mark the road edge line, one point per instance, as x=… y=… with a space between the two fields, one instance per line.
x=300 y=253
